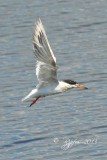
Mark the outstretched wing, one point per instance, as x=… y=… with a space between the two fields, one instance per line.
x=46 y=69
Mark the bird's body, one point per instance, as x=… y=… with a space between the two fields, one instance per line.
x=46 y=69
x=43 y=90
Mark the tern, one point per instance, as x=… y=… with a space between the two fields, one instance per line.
x=46 y=69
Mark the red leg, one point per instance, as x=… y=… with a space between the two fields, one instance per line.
x=34 y=101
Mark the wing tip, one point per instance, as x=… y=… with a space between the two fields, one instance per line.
x=38 y=28
x=38 y=22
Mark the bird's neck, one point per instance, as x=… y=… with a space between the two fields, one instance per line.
x=64 y=86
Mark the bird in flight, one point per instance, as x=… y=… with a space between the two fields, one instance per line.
x=46 y=69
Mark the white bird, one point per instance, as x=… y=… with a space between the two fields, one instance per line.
x=46 y=69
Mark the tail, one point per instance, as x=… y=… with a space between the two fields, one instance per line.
x=31 y=96
x=26 y=99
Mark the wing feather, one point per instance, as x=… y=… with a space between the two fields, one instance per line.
x=46 y=69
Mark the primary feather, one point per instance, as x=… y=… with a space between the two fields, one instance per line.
x=46 y=69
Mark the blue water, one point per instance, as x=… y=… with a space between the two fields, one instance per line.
x=72 y=125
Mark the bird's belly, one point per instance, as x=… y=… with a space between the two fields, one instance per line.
x=52 y=89
x=47 y=90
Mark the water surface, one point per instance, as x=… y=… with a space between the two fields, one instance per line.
x=72 y=125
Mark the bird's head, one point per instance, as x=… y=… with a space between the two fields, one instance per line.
x=74 y=84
